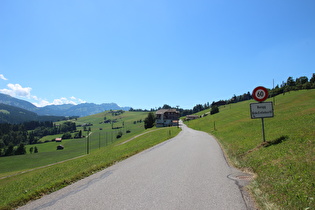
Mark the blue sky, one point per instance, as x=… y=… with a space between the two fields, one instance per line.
x=145 y=54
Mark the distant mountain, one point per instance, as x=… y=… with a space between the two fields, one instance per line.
x=9 y=100
x=14 y=115
x=57 y=110
x=80 y=110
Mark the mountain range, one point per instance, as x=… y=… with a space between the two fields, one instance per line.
x=15 y=115
x=79 y=110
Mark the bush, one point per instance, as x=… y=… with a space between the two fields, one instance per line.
x=214 y=110
x=31 y=150
x=60 y=147
x=119 y=135
x=66 y=136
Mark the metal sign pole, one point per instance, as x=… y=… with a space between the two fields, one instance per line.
x=261 y=110
x=263 y=129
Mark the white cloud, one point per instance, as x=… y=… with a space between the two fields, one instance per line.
x=17 y=90
x=2 y=77
x=81 y=101
x=63 y=100
x=35 y=98
x=59 y=101
x=41 y=102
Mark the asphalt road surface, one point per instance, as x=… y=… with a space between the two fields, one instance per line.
x=186 y=172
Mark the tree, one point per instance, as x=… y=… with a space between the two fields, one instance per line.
x=78 y=135
x=31 y=149
x=35 y=150
x=20 y=150
x=149 y=121
x=290 y=82
x=66 y=136
x=198 y=108
x=312 y=80
x=9 y=151
x=165 y=106
x=301 y=80
x=214 y=109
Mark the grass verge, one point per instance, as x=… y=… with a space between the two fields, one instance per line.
x=285 y=164
x=17 y=190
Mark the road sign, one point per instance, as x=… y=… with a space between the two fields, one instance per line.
x=260 y=94
x=261 y=110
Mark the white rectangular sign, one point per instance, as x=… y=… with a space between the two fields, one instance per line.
x=261 y=110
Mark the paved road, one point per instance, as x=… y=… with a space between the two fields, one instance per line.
x=186 y=172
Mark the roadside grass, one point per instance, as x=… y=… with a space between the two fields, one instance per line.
x=19 y=189
x=285 y=164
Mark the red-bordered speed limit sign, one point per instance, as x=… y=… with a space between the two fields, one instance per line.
x=260 y=93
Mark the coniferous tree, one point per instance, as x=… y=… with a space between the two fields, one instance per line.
x=9 y=151
x=149 y=121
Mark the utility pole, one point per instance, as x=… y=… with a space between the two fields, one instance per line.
x=88 y=143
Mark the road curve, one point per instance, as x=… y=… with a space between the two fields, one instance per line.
x=185 y=172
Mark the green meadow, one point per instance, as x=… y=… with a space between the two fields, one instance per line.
x=27 y=177
x=20 y=188
x=285 y=164
x=101 y=135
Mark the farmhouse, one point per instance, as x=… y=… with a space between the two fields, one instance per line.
x=58 y=139
x=192 y=117
x=167 y=117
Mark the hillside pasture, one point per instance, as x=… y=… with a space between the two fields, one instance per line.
x=18 y=189
x=101 y=135
x=285 y=164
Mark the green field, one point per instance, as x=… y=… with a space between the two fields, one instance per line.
x=285 y=165
x=75 y=147
x=17 y=189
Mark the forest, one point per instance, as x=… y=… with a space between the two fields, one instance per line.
x=12 y=135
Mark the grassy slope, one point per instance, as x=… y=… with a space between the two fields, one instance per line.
x=19 y=189
x=286 y=171
x=74 y=147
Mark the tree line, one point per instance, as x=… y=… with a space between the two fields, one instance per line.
x=183 y=112
x=291 y=84
x=12 y=135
